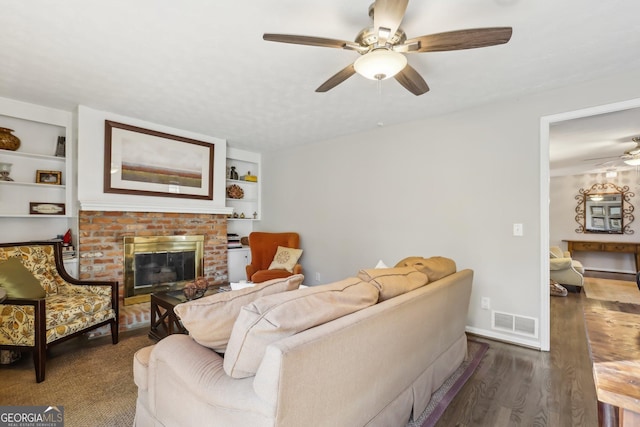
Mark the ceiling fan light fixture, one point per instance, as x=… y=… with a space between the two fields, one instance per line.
x=635 y=161
x=380 y=64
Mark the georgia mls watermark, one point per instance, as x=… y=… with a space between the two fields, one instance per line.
x=31 y=416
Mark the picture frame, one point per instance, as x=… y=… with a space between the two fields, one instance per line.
x=145 y=162
x=597 y=223
x=614 y=211
x=49 y=177
x=597 y=210
x=615 y=223
x=47 y=208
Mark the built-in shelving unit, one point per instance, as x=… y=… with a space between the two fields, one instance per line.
x=249 y=206
x=38 y=129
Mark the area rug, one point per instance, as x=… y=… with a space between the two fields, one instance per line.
x=91 y=378
x=445 y=394
x=611 y=290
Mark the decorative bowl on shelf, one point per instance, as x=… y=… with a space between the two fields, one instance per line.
x=234 y=191
x=8 y=141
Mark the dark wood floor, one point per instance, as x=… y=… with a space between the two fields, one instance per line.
x=516 y=386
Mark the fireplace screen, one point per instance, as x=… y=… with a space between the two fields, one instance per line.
x=160 y=263
x=156 y=268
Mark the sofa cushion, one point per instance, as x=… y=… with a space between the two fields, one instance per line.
x=435 y=267
x=274 y=317
x=18 y=281
x=67 y=309
x=392 y=282
x=209 y=320
x=285 y=259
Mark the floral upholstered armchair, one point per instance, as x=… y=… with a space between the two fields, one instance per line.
x=44 y=305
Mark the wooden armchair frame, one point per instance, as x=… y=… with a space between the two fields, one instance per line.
x=40 y=347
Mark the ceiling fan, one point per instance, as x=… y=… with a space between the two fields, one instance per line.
x=383 y=45
x=630 y=157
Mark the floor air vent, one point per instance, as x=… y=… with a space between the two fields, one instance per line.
x=513 y=323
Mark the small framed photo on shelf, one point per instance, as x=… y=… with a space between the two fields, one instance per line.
x=45 y=208
x=597 y=210
x=49 y=177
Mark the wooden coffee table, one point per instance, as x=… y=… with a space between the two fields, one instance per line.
x=164 y=321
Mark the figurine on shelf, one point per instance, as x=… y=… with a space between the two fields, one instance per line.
x=66 y=239
x=233 y=174
x=5 y=170
x=255 y=215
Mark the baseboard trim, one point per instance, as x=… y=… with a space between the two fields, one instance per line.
x=509 y=339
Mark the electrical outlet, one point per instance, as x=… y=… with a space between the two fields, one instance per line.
x=517 y=230
x=485 y=303
x=317 y=277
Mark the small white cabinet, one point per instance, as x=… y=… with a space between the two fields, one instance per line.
x=237 y=260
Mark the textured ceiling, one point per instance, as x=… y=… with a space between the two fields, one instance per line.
x=202 y=65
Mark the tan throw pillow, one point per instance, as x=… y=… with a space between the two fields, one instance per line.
x=274 y=317
x=285 y=259
x=18 y=281
x=435 y=267
x=392 y=282
x=210 y=320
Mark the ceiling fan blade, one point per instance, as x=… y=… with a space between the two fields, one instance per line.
x=388 y=14
x=462 y=39
x=601 y=158
x=307 y=40
x=412 y=81
x=337 y=78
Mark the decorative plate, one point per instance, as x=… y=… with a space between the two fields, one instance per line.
x=235 y=192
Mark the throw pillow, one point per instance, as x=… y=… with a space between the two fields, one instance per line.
x=285 y=259
x=18 y=281
x=435 y=267
x=210 y=320
x=274 y=317
x=392 y=282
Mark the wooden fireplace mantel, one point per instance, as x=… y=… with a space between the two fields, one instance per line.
x=614 y=247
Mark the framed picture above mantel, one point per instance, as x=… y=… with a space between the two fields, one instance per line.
x=149 y=163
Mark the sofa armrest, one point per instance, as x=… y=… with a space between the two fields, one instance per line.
x=559 y=263
x=178 y=359
x=251 y=270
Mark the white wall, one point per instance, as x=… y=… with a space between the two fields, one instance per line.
x=91 y=166
x=450 y=185
x=562 y=224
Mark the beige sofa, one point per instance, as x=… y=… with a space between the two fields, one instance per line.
x=376 y=366
x=564 y=269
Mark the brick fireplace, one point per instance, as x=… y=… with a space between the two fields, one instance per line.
x=101 y=248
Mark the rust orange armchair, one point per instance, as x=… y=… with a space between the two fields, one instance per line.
x=263 y=248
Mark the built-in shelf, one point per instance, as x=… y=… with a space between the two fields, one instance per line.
x=39 y=129
x=34 y=184
x=245 y=163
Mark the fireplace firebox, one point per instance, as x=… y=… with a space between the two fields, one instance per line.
x=156 y=263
